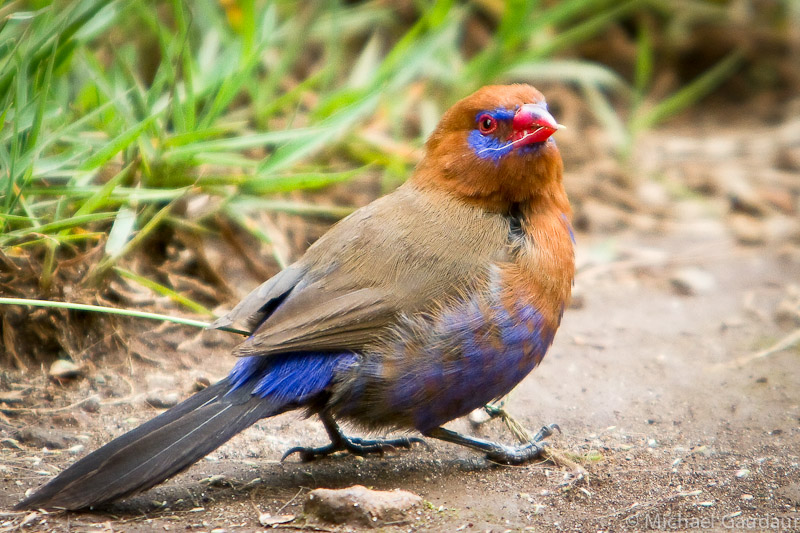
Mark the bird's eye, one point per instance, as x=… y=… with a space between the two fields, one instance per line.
x=487 y=123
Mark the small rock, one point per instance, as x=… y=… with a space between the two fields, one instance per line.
x=747 y=497
x=161 y=381
x=743 y=197
x=162 y=399
x=40 y=437
x=788 y=158
x=601 y=217
x=200 y=383
x=478 y=417
x=11 y=396
x=78 y=448
x=653 y=196
x=215 y=481
x=64 y=369
x=787 y=315
x=360 y=505
x=790 y=492
x=11 y=443
x=267 y=520
x=691 y=281
x=578 y=298
x=743 y=473
x=780 y=198
x=747 y=230
x=781 y=228
x=91 y=404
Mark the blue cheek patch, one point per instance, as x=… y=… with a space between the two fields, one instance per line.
x=488 y=147
x=491 y=148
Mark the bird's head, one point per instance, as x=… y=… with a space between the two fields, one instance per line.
x=494 y=146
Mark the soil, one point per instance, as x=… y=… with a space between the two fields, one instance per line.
x=672 y=416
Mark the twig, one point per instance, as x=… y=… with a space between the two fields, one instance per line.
x=299 y=492
x=788 y=341
x=47 y=410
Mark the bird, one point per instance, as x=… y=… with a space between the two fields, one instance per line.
x=412 y=311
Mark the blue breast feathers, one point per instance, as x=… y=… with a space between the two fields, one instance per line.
x=474 y=354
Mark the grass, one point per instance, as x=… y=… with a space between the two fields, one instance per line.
x=112 y=111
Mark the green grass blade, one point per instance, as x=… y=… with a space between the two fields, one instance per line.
x=116 y=145
x=690 y=94
x=164 y=291
x=52 y=227
x=115 y=311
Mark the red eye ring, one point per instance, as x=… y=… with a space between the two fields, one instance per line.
x=487 y=123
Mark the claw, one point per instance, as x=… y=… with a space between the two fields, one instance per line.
x=306 y=454
x=545 y=432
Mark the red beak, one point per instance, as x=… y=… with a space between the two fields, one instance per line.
x=532 y=124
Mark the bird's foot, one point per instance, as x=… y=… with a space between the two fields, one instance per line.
x=354 y=445
x=500 y=453
x=516 y=455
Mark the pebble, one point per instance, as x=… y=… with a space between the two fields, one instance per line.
x=788 y=158
x=267 y=520
x=91 y=405
x=743 y=197
x=40 y=437
x=603 y=218
x=64 y=369
x=653 y=196
x=11 y=397
x=787 y=314
x=162 y=400
x=360 y=505
x=691 y=281
x=478 y=417
x=578 y=298
x=747 y=230
x=78 y=448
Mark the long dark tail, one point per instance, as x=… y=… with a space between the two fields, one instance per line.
x=156 y=450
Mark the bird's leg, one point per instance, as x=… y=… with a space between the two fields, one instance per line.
x=354 y=445
x=499 y=453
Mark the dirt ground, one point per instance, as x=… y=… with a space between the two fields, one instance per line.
x=662 y=404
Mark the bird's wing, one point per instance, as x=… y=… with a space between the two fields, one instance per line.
x=402 y=254
x=262 y=301
x=347 y=321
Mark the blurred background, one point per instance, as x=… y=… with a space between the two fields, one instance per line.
x=169 y=156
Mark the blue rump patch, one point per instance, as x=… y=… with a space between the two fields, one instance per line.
x=288 y=378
